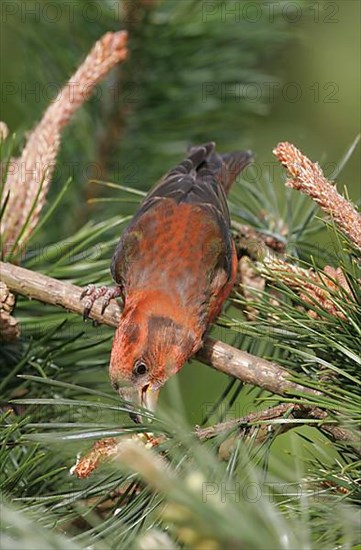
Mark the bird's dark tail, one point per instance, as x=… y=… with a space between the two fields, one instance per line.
x=226 y=167
x=233 y=164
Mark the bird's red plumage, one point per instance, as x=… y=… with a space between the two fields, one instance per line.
x=176 y=265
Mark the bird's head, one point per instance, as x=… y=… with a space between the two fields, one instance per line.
x=147 y=349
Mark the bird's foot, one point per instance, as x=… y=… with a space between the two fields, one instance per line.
x=91 y=293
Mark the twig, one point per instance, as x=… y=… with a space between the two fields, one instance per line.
x=245 y=422
x=249 y=422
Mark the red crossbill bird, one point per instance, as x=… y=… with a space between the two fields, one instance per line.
x=174 y=267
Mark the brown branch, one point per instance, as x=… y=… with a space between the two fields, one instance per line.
x=293 y=411
x=249 y=368
x=52 y=291
x=245 y=422
x=216 y=354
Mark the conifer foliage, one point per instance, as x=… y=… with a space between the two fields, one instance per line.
x=75 y=472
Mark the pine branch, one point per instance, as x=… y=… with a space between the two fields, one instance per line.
x=313 y=287
x=216 y=354
x=30 y=175
x=289 y=410
x=254 y=424
x=308 y=178
x=248 y=368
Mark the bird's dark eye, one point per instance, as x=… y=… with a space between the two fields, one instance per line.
x=140 y=368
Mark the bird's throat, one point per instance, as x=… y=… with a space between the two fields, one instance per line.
x=157 y=303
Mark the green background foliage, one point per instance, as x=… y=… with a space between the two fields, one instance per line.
x=246 y=77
